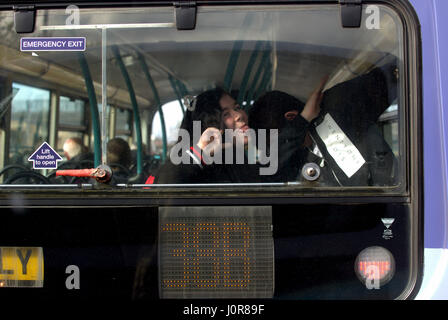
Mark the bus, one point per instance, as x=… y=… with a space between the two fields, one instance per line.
x=434 y=88
x=222 y=151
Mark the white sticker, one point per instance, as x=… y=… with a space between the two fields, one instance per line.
x=339 y=146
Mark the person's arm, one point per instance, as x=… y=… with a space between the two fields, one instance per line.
x=294 y=133
x=312 y=107
x=292 y=137
x=196 y=171
x=209 y=143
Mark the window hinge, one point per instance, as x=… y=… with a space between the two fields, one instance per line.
x=351 y=12
x=185 y=12
x=24 y=18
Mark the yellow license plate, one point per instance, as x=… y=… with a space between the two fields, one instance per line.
x=21 y=267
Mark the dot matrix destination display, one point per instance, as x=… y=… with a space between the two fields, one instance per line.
x=219 y=252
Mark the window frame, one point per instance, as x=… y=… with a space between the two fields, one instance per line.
x=82 y=129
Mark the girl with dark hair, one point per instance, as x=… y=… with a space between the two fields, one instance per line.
x=201 y=126
x=201 y=138
x=205 y=108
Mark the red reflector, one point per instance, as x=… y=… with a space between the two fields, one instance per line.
x=383 y=268
x=375 y=264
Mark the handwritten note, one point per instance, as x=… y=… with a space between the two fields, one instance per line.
x=339 y=146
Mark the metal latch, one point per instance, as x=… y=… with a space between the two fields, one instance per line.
x=351 y=12
x=311 y=171
x=185 y=12
x=24 y=18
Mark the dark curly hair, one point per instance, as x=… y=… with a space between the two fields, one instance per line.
x=207 y=110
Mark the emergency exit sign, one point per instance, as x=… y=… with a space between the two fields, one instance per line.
x=53 y=44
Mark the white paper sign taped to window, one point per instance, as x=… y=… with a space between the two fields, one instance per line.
x=339 y=146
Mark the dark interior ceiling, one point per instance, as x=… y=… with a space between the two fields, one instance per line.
x=299 y=56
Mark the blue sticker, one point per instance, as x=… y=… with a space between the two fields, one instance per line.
x=45 y=157
x=53 y=44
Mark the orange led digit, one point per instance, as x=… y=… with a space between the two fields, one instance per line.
x=215 y=255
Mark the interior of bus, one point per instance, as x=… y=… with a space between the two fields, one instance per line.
x=148 y=73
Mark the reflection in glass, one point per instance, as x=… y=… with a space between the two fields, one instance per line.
x=71 y=111
x=29 y=122
x=249 y=52
x=173 y=118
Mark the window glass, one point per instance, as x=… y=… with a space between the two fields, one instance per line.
x=29 y=121
x=123 y=124
x=71 y=112
x=273 y=94
x=172 y=115
x=64 y=135
x=72 y=123
x=389 y=124
x=271 y=63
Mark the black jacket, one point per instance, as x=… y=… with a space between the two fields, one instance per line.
x=198 y=172
x=355 y=105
